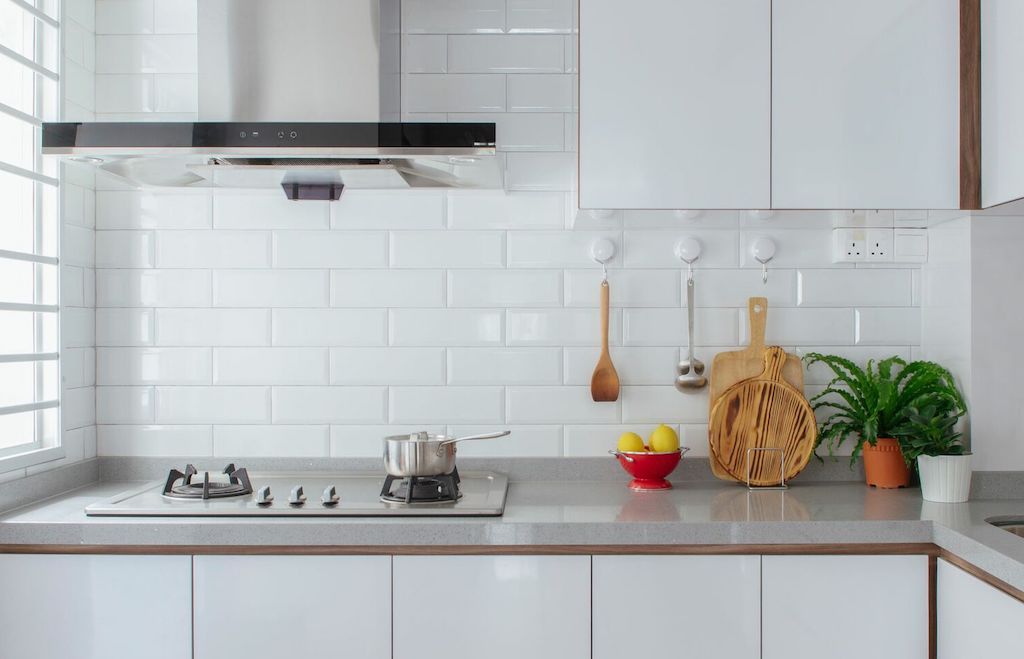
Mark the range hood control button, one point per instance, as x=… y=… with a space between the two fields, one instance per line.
x=330 y=496
x=297 y=498
x=263 y=496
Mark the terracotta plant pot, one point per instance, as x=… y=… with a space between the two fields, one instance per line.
x=884 y=466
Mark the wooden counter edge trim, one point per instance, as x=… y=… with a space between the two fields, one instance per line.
x=976 y=571
x=933 y=609
x=970 y=104
x=484 y=550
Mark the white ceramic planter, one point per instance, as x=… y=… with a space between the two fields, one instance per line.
x=945 y=478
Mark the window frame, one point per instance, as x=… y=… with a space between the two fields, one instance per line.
x=40 y=449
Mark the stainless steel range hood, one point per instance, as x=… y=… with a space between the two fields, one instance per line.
x=300 y=95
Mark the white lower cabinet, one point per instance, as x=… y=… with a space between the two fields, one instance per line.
x=281 y=607
x=498 y=607
x=973 y=619
x=95 y=607
x=677 y=606
x=844 y=607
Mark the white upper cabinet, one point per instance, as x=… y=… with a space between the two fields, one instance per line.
x=844 y=607
x=865 y=103
x=95 y=607
x=1002 y=101
x=974 y=619
x=677 y=606
x=675 y=104
x=498 y=607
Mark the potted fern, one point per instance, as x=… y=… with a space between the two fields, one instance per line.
x=872 y=405
x=930 y=436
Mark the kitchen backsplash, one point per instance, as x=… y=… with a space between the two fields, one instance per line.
x=242 y=324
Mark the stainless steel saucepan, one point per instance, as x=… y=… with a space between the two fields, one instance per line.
x=423 y=454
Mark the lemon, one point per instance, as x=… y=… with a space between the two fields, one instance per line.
x=630 y=441
x=664 y=440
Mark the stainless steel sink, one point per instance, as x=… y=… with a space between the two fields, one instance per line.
x=1014 y=525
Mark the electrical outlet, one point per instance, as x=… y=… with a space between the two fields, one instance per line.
x=849 y=245
x=855 y=245
x=879 y=245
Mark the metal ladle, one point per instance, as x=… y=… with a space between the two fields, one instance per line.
x=690 y=370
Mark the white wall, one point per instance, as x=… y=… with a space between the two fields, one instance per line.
x=972 y=323
x=236 y=324
x=997 y=416
x=946 y=302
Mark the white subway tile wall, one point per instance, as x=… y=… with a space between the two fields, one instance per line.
x=236 y=324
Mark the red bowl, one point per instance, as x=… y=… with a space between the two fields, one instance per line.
x=649 y=469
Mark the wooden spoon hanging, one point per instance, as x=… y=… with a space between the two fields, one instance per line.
x=763 y=412
x=604 y=384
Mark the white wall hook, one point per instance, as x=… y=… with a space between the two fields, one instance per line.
x=602 y=251
x=763 y=251
x=688 y=250
x=760 y=215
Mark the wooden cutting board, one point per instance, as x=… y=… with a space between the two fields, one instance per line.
x=729 y=368
x=763 y=412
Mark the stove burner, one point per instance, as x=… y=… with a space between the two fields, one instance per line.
x=421 y=489
x=237 y=485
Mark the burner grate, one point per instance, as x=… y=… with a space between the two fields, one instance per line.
x=421 y=489
x=237 y=485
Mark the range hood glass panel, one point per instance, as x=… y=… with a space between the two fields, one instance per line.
x=266 y=138
x=373 y=177
x=299 y=60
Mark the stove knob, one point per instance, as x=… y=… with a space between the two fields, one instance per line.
x=297 y=498
x=263 y=496
x=330 y=496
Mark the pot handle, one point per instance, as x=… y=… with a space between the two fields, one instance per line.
x=490 y=435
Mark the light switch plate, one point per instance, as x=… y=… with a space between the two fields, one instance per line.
x=910 y=246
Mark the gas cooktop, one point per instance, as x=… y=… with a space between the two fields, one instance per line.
x=236 y=493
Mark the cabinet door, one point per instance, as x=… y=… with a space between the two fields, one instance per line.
x=675 y=104
x=865 y=104
x=677 y=606
x=280 y=607
x=95 y=607
x=844 y=607
x=499 y=607
x=1002 y=101
x=973 y=618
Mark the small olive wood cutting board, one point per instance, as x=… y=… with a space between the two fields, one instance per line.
x=729 y=368
x=764 y=412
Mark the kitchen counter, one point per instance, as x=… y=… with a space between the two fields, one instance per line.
x=581 y=517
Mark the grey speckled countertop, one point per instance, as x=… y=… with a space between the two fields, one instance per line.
x=577 y=513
